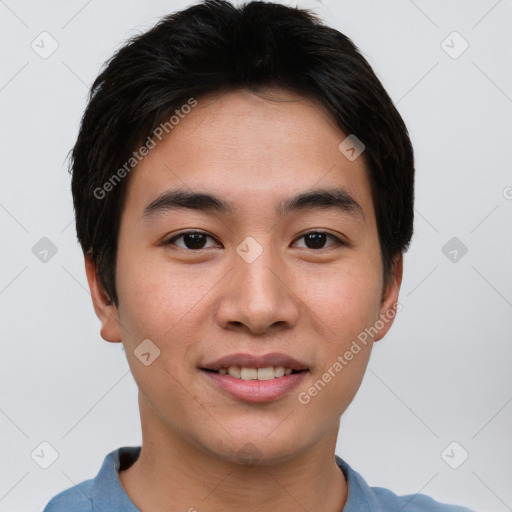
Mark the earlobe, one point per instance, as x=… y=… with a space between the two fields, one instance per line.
x=105 y=310
x=389 y=304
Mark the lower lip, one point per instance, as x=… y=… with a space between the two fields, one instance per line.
x=256 y=391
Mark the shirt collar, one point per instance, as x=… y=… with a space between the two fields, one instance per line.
x=109 y=495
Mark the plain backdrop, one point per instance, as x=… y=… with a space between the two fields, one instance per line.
x=438 y=387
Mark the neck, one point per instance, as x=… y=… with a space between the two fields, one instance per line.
x=172 y=475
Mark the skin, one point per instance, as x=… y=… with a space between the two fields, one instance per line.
x=197 y=306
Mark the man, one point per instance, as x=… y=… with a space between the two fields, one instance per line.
x=243 y=188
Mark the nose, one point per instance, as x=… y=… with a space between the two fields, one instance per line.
x=259 y=296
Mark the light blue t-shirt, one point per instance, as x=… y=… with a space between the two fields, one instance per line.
x=106 y=494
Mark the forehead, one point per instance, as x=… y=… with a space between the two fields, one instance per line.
x=243 y=146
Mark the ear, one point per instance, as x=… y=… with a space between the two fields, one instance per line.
x=389 y=302
x=105 y=310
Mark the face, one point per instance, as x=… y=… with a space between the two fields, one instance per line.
x=249 y=280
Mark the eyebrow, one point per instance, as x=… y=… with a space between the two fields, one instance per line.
x=319 y=199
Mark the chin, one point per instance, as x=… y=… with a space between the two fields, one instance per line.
x=258 y=449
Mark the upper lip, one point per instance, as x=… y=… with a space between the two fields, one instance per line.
x=256 y=361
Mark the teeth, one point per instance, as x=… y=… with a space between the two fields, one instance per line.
x=234 y=371
x=279 y=371
x=248 y=373
x=268 y=373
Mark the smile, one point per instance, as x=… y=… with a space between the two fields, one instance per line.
x=247 y=373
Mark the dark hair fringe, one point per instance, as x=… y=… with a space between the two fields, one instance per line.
x=215 y=46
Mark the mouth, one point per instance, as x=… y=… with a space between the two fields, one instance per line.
x=251 y=367
x=247 y=373
x=253 y=378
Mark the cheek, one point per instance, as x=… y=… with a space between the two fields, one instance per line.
x=158 y=305
x=345 y=307
x=157 y=298
x=345 y=300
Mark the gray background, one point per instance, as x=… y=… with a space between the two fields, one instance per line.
x=443 y=372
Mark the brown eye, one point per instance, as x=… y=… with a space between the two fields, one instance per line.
x=193 y=240
x=317 y=239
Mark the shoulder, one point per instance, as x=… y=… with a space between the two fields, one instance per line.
x=74 y=499
x=412 y=502
x=104 y=492
x=377 y=499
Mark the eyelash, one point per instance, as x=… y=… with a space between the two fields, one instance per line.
x=171 y=241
